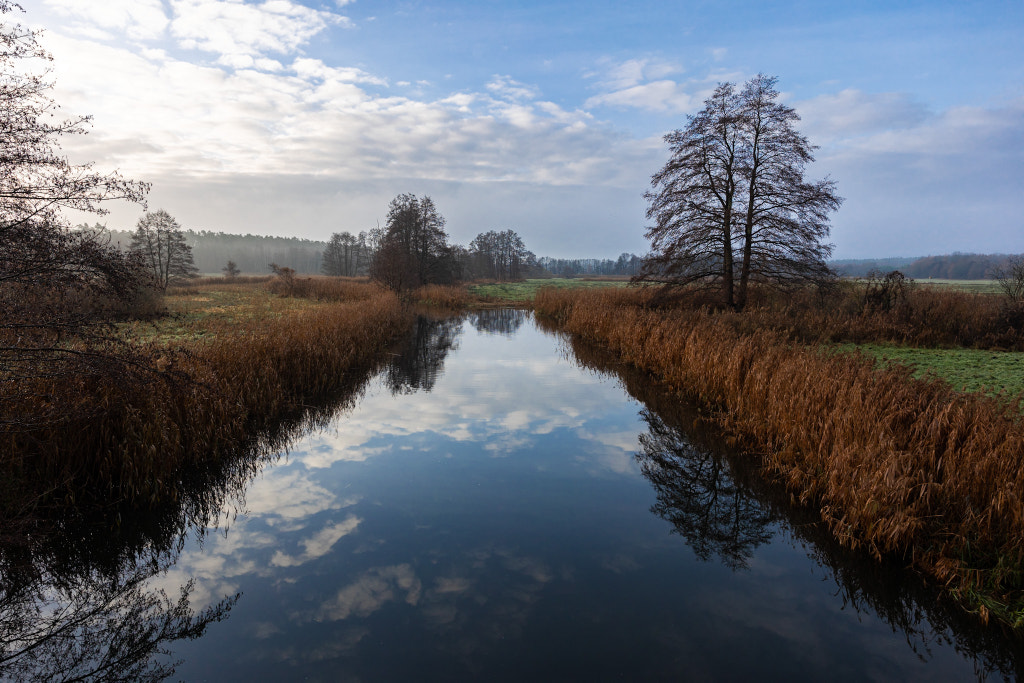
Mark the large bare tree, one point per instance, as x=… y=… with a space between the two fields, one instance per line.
x=731 y=205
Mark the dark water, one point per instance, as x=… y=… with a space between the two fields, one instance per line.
x=497 y=504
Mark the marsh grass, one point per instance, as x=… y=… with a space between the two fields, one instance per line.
x=230 y=360
x=897 y=466
x=454 y=297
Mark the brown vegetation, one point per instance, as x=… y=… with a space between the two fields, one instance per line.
x=444 y=296
x=900 y=312
x=903 y=468
x=209 y=394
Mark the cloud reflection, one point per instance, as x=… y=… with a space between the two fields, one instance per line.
x=371 y=591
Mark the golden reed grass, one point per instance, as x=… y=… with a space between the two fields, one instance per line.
x=901 y=467
x=210 y=397
x=444 y=296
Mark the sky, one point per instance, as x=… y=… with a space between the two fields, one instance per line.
x=305 y=117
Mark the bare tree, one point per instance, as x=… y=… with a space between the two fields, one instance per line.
x=499 y=255
x=159 y=241
x=56 y=283
x=346 y=255
x=785 y=218
x=734 y=186
x=1010 y=276
x=414 y=248
x=694 y=197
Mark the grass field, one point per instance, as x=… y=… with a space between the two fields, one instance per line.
x=990 y=372
x=203 y=313
x=982 y=286
x=526 y=290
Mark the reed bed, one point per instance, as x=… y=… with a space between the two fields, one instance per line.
x=207 y=396
x=901 y=467
x=917 y=316
x=443 y=296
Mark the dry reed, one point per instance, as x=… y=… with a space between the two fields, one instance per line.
x=900 y=467
x=444 y=296
x=211 y=395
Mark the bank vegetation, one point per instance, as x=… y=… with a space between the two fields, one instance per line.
x=907 y=469
x=207 y=386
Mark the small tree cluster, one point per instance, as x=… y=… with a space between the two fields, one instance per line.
x=414 y=248
x=500 y=256
x=347 y=255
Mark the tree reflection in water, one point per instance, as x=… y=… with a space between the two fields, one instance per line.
x=503 y=321
x=78 y=599
x=91 y=626
x=721 y=504
x=699 y=495
x=420 y=360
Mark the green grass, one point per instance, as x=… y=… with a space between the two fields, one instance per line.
x=991 y=372
x=204 y=313
x=526 y=290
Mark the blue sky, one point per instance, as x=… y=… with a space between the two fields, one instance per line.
x=281 y=117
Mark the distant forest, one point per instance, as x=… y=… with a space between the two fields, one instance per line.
x=955 y=266
x=253 y=254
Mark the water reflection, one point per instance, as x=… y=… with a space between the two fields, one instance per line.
x=94 y=626
x=484 y=511
x=93 y=593
x=420 y=359
x=503 y=321
x=698 y=494
x=719 y=502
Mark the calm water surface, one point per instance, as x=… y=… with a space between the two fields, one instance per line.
x=503 y=505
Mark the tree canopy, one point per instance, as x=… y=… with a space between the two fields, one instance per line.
x=731 y=206
x=414 y=249
x=159 y=241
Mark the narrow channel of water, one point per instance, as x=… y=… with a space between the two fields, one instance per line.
x=501 y=503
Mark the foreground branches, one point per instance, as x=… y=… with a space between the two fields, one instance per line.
x=58 y=288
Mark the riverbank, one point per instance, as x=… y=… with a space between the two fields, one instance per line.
x=226 y=362
x=904 y=468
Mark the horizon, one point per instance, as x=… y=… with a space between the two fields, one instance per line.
x=301 y=118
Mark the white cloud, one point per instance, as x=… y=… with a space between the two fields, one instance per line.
x=233 y=28
x=257 y=117
x=661 y=96
x=319 y=544
x=853 y=112
x=507 y=88
x=137 y=19
x=644 y=84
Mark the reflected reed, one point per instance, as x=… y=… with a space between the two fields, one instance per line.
x=724 y=505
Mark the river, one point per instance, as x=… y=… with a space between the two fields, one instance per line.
x=497 y=502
